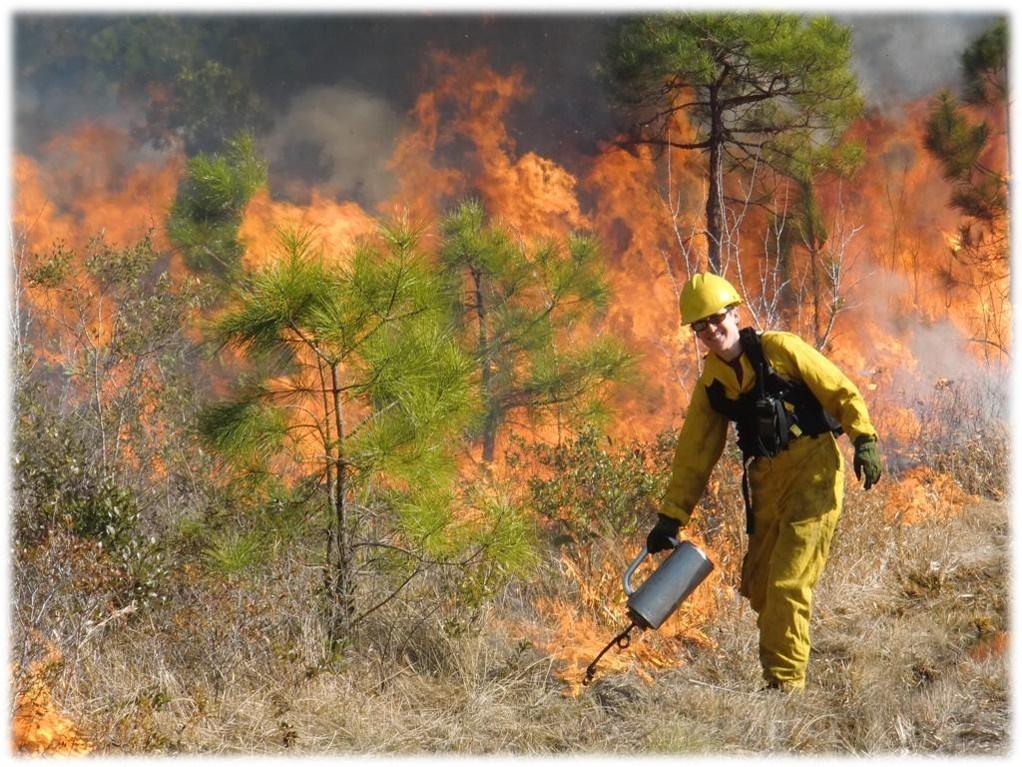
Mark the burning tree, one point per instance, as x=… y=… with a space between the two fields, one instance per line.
x=969 y=150
x=521 y=305
x=757 y=88
x=358 y=388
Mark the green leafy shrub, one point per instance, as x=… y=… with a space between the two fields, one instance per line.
x=56 y=485
x=588 y=488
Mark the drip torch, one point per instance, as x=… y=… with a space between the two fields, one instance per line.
x=660 y=595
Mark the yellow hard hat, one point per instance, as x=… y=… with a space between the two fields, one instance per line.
x=704 y=295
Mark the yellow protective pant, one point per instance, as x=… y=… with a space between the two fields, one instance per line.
x=796 y=501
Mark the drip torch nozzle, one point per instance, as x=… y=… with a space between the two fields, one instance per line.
x=622 y=641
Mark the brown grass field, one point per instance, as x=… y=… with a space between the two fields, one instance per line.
x=910 y=635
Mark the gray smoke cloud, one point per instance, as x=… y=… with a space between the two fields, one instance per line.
x=945 y=360
x=37 y=106
x=339 y=137
x=903 y=57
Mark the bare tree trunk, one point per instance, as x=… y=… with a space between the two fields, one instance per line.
x=814 y=260
x=342 y=596
x=492 y=417
x=714 y=213
x=332 y=495
x=673 y=207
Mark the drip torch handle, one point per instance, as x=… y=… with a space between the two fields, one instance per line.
x=635 y=564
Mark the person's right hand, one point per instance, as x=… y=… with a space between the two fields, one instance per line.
x=659 y=538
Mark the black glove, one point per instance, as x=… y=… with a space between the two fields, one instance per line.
x=659 y=537
x=867 y=460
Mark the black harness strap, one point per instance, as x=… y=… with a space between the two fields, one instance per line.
x=750 y=520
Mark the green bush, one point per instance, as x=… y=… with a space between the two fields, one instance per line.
x=588 y=488
x=56 y=485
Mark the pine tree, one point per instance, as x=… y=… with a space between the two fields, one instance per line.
x=961 y=143
x=966 y=139
x=517 y=312
x=358 y=385
x=756 y=87
x=207 y=212
x=985 y=66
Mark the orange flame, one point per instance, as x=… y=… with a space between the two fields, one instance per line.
x=38 y=728
x=577 y=629
x=471 y=103
x=907 y=265
x=336 y=226
x=645 y=270
x=88 y=185
x=922 y=494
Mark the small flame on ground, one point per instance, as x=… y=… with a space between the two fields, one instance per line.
x=38 y=728
x=991 y=647
x=922 y=494
x=576 y=629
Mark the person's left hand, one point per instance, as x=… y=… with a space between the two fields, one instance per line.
x=867 y=460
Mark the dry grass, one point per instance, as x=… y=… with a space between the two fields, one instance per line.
x=907 y=659
x=897 y=664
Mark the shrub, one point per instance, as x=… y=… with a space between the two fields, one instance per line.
x=57 y=486
x=587 y=488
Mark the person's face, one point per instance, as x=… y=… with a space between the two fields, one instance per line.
x=719 y=333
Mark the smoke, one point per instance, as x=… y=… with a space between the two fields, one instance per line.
x=901 y=58
x=898 y=58
x=335 y=138
x=935 y=352
x=946 y=371
x=45 y=108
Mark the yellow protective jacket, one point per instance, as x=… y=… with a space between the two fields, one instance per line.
x=704 y=431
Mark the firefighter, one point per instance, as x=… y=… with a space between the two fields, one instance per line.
x=789 y=403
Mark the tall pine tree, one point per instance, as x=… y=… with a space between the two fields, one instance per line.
x=756 y=88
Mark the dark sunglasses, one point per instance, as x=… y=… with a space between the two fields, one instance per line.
x=714 y=319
